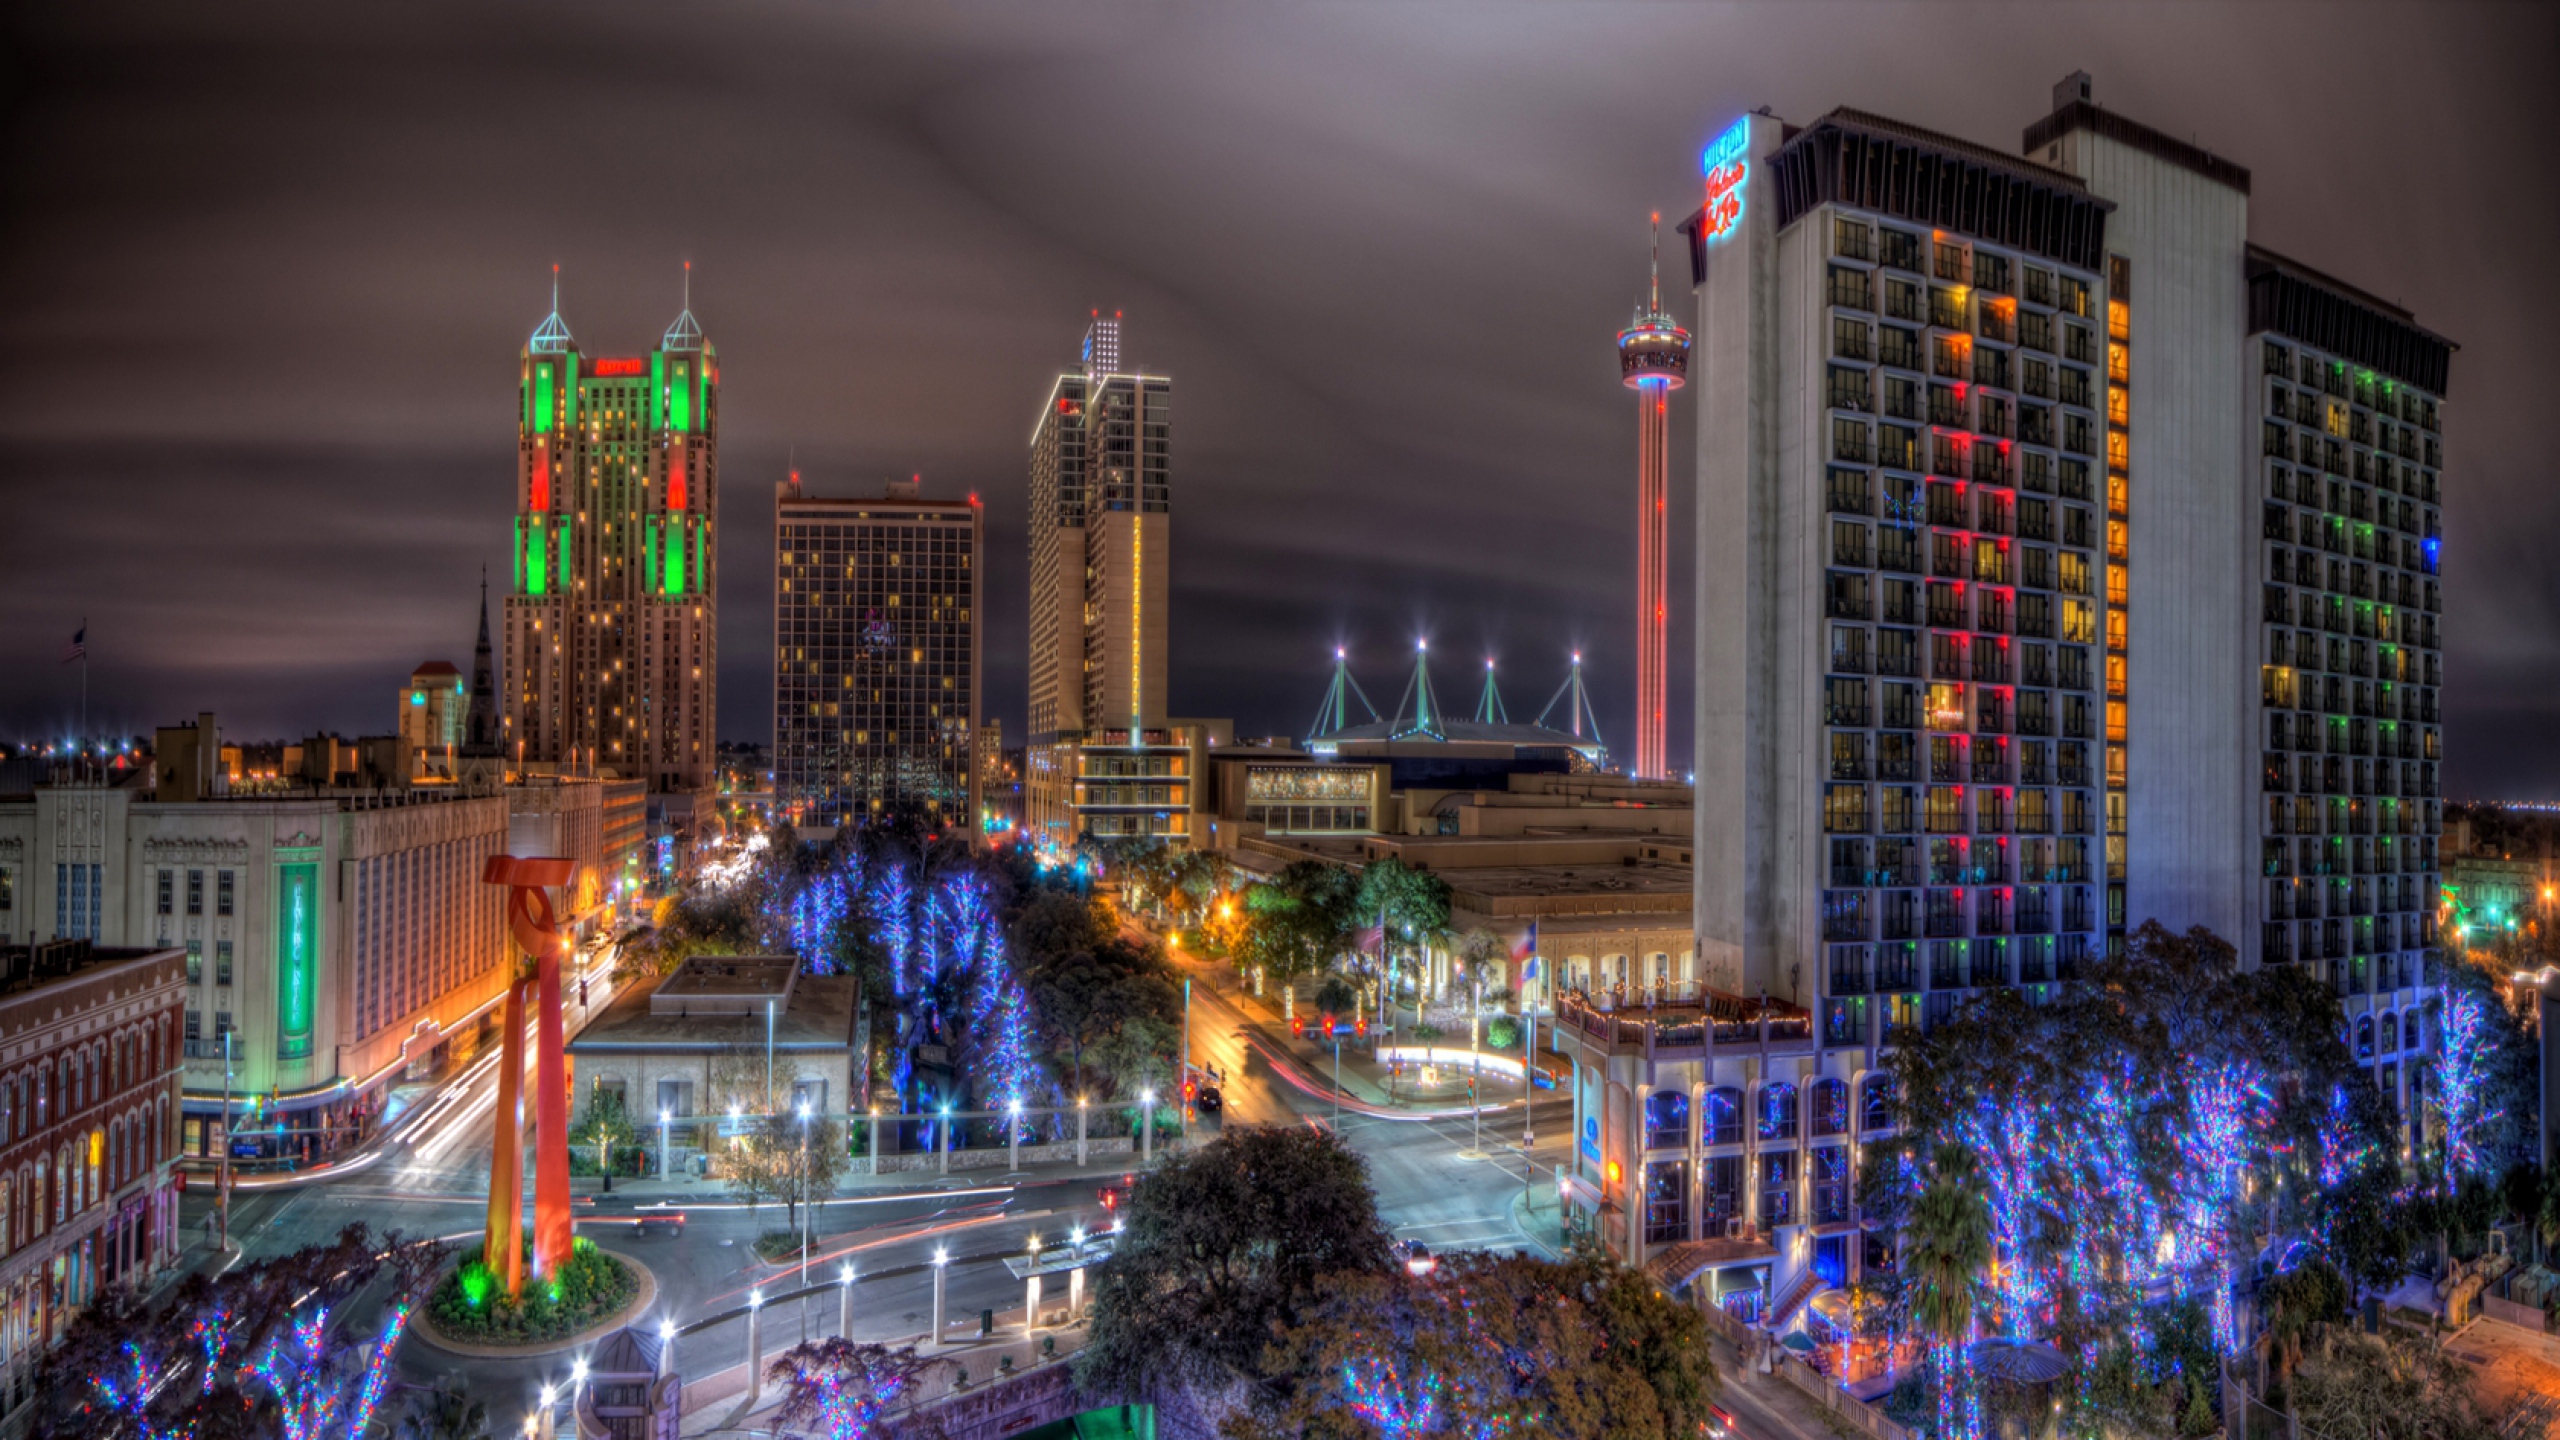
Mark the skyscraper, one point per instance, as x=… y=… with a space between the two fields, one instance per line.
x=2066 y=562
x=876 y=654
x=1653 y=359
x=613 y=619
x=1101 y=545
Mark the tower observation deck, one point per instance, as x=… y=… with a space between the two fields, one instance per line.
x=1653 y=360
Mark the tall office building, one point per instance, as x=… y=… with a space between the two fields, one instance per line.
x=612 y=623
x=876 y=654
x=1103 y=759
x=2069 y=563
x=1653 y=360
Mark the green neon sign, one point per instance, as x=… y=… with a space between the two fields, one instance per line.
x=682 y=395
x=297 y=957
x=542 y=397
x=675 y=560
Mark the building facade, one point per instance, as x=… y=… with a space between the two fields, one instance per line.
x=434 y=707
x=1101 y=548
x=876 y=660
x=88 y=1135
x=612 y=621
x=335 y=938
x=2076 y=568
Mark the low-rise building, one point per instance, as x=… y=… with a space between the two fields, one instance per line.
x=719 y=1034
x=89 y=1080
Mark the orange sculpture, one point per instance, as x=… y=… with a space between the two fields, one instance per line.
x=536 y=928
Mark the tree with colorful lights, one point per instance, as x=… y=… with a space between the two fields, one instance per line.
x=841 y=1390
x=1486 y=1345
x=1946 y=1246
x=251 y=1353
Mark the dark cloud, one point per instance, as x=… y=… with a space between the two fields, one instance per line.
x=266 y=270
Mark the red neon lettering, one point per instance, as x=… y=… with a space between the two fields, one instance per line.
x=620 y=366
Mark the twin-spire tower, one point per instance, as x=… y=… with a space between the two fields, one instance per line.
x=1653 y=359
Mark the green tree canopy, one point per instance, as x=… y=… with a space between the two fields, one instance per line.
x=1222 y=1246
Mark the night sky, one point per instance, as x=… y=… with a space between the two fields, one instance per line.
x=267 y=274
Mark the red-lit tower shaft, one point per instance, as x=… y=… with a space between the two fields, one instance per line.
x=1653 y=575
x=1653 y=360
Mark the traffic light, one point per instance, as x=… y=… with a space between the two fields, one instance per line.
x=1190 y=1089
x=1297 y=1026
x=1360 y=1026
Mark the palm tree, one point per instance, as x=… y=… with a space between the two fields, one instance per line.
x=1946 y=1247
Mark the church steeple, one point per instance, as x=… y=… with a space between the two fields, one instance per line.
x=480 y=725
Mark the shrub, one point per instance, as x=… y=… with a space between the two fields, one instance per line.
x=589 y=1287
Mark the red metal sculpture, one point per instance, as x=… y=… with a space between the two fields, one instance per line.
x=536 y=928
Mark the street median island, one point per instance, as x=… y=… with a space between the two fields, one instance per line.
x=594 y=1291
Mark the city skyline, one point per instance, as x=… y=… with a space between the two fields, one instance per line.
x=1300 y=517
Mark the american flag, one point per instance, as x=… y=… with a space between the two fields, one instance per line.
x=77 y=647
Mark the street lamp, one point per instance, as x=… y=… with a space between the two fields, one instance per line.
x=664 y=1116
x=805 y=1199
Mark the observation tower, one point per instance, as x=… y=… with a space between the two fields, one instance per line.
x=1653 y=359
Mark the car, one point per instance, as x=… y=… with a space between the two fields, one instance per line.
x=1112 y=1197
x=1210 y=1101
x=1719 y=1423
x=1416 y=1257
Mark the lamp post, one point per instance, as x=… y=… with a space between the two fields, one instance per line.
x=1146 y=1127
x=844 y=1304
x=1528 y=1078
x=1475 y=1056
x=755 y=1344
x=667 y=1346
x=222 y=1190
x=1013 y=1138
x=941 y=1266
x=805 y=1198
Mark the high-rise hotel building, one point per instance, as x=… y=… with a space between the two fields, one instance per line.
x=876 y=655
x=612 y=623
x=2065 y=562
x=1102 y=758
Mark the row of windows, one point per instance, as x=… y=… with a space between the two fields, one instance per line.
x=1958 y=263
x=1955 y=810
x=2364 y=388
x=2339 y=735
x=224 y=891
x=2345 y=817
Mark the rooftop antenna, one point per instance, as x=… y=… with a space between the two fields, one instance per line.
x=1427 y=719
x=1654 y=307
x=1332 y=712
x=1578 y=711
x=1489 y=709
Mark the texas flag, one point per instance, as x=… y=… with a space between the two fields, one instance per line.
x=1525 y=954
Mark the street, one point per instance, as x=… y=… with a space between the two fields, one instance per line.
x=1429 y=1188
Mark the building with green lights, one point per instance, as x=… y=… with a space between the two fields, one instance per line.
x=876 y=689
x=612 y=616
x=433 y=708
x=340 y=938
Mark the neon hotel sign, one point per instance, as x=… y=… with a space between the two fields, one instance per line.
x=1727 y=163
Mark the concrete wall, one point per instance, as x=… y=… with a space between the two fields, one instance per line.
x=2192 y=672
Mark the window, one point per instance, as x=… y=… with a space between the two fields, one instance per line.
x=221 y=962
x=195 y=892
x=1722 y=1123
x=195 y=962
x=222 y=893
x=1849 y=338
x=167 y=884
x=1666 y=1120
x=1778 y=1111
x=1901 y=249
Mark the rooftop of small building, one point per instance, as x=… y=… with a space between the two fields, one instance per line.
x=436 y=667
x=27 y=969
x=816 y=1016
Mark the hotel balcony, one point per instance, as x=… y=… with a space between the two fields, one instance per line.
x=1684 y=1021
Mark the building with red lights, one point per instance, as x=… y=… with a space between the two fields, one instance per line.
x=1653 y=359
x=612 y=619
x=876 y=688
x=2065 y=562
